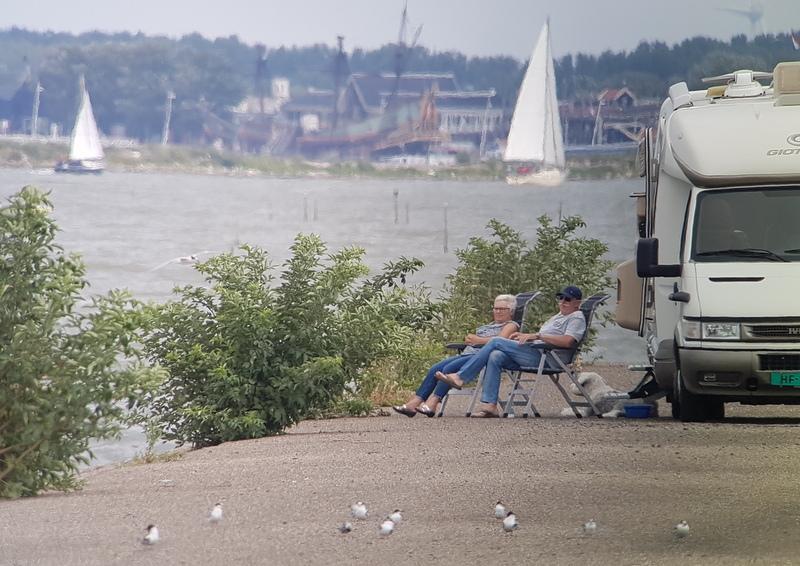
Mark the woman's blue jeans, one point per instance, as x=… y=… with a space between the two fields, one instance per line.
x=431 y=385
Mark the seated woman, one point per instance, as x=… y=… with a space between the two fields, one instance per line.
x=429 y=394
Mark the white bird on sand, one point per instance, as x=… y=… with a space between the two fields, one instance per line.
x=190 y=259
x=387 y=527
x=682 y=529
x=510 y=522
x=216 y=513
x=345 y=527
x=152 y=535
x=396 y=517
x=358 y=510
x=500 y=510
x=589 y=527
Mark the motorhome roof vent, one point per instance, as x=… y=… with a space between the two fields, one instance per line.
x=786 y=84
x=680 y=96
x=741 y=84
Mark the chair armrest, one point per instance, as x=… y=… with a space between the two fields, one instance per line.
x=549 y=348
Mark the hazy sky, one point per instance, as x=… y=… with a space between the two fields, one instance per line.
x=474 y=27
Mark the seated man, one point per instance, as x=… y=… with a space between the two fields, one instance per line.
x=563 y=330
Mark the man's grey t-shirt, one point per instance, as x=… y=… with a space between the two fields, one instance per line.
x=573 y=324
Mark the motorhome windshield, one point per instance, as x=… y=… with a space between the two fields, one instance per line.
x=758 y=224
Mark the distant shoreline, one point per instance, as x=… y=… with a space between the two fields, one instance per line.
x=16 y=154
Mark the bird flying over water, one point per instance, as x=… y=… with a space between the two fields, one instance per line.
x=190 y=259
x=589 y=527
x=500 y=510
x=395 y=517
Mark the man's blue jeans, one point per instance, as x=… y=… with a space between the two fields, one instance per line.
x=497 y=354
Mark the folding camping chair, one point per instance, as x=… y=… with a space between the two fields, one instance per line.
x=520 y=312
x=552 y=364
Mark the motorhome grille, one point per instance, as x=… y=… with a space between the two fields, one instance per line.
x=782 y=331
x=779 y=362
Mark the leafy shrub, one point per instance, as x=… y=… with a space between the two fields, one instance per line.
x=354 y=407
x=249 y=355
x=61 y=380
x=390 y=379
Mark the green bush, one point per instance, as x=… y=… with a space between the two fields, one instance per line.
x=61 y=380
x=249 y=355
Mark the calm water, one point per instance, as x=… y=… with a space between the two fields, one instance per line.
x=124 y=225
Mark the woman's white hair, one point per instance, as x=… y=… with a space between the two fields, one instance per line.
x=509 y=300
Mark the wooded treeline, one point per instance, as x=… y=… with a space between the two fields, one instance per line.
x=129 y=74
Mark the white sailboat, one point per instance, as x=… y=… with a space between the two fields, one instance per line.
x=535 y=147
x=85 y=151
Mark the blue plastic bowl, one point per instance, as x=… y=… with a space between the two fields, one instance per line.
x=637 y=411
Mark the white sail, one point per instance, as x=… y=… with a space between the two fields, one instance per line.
x=85 y=144
x=535 y=134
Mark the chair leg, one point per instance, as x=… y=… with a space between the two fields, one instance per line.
x=531 y=397
x=442 y=404
x=475 y=395
x=518 y=391
x=565 y=395
x=472 y=392
x=508 y=404
x=584 y=393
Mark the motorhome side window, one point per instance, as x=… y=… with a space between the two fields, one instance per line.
x=747 y=224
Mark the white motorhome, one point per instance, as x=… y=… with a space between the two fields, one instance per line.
x=715 y=286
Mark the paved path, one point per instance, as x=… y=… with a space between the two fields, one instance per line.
x=734 y=482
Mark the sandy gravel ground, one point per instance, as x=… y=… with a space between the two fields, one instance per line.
x=736 y=483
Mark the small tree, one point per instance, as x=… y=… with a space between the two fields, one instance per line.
x=60 y=380
x=249 y=355
x=506 y=263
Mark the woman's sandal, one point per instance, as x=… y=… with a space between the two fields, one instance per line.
x=445 y=378
x=425 y=410
x=403 y=410
x=485 y=415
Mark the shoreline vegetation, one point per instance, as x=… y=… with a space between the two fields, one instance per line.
x=21 y=154
x=255 y=349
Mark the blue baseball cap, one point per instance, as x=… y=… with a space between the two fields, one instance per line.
x=571 y=292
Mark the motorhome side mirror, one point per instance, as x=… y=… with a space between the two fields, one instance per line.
x=647 y=260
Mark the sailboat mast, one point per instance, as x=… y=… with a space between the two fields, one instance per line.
x=548 y=118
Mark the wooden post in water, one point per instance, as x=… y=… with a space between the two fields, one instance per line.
x=315 y=210
x=305 y=209
x=444 y=239
x=396 y=193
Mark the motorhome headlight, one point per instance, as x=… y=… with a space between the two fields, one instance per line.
x=720 y=331
x=691 y=329
x=696 y=330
